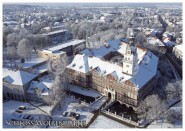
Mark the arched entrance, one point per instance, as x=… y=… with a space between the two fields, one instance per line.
x=131 y=109
x=109 y=95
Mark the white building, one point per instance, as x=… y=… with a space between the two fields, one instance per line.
x=178 y=51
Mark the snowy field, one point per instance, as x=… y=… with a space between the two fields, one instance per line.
x=104 y=122
x=10 y=106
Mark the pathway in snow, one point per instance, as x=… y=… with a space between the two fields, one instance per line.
x=99 y=102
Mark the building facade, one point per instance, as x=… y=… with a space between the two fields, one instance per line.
x=177 y=51
x=59 y=36
x=128 y=83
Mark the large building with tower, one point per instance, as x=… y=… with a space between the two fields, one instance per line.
x=119 y=70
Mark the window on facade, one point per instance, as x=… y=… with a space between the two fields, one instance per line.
x=135 y=97
x=132 y=96
x=127 y=65
x=128 y=94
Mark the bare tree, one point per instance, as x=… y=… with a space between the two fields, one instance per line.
x=61 y=82
x=6 y=30
x=58 y=66
x=150 y=108
x=24 y=49
x=140 y=39
x=40 y=41
x=35 y=28
x=23 y=33
x=13 y=39
x=172 y=116
x=174 y=91
x=57 y=91
x=11 y=51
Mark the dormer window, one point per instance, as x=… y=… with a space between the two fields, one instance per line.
x=80 y=67
x=73 y=65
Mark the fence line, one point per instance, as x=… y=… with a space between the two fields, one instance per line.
x=121 y=118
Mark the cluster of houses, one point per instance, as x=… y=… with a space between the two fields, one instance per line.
x=119 y=69
x=30 y=81
x=97 y=69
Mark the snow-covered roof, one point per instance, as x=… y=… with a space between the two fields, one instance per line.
x=54 y=32
x=87 y=92
x=114 y=45
x=168 y=42
x=145 y=73
x=40 y=69
x=160 y=43
x=179 y=47
x=17 y=77
x=11 y=22
x=43 y=86
x=103 y=50
x=64 y=45
x=32 y=62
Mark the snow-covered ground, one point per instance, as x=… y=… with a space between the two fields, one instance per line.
x=166 y=124
x=99 y=102
x=83 y=91
x=104 y=122
x=10 y=107
x=72 y=105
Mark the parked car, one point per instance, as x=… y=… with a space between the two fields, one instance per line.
x=21 y=117
x=71 y=114
x=66 y=114
x=22 y=108
x=28 y=116
x=19 y=111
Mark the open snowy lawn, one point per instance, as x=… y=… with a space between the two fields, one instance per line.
x=11 y=106
x=104 y=122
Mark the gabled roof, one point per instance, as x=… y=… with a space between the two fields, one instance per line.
x=43 y=86
x=147 y=67
x=17 y=77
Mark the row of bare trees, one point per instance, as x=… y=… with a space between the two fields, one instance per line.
x=19 y=43
x=153 y=107
x=85 y=29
